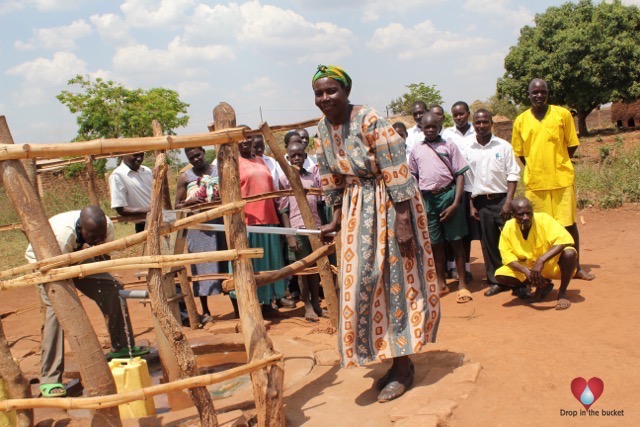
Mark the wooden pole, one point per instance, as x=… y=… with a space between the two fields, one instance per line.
x=94 y=370
x=132 y=263
x=289 y=270
x=144 y=393
x=160 y=307
x=324 y=268
x=166 y=195
x=118 y=145
x=123 y=243
x=16 y=382
x=268 y=382
x=91 y=184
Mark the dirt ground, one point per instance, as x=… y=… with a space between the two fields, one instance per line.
x=526 y=355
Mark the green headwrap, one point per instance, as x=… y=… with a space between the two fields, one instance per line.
x=333 y=72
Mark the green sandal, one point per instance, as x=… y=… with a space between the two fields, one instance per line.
x=47 y=389
x=136 y=350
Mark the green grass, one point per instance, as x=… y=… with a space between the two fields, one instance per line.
x=611 y=181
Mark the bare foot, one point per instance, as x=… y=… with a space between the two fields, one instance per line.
x=310 y=314
x=563 y=303
x=444 y=289
x=583 y=275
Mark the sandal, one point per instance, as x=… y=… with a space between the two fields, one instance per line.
x=136 y=350
x=463 y=296
x=46 y=390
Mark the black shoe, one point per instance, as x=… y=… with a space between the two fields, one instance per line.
x=494 y=290
x=523 y=293
x=468 y=276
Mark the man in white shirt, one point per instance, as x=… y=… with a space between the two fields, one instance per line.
x=77 y=230
x=130 y=187
x=414 y=134
x=462 y=135
x=495 y=177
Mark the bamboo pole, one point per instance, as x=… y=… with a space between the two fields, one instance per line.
x=56 y=164
x=160 y=307
x=268 y=382
x=132 y=263
x=118 y=145
x=123 y=243
x=91 y=184
x=326 y=275
x=17 y=384
x=291 y=269
x=95 y=373
x=144 y=393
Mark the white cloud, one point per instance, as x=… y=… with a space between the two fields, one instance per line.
x=283 y=32
x=155 y=13
x=188 y=60
x=112 y=28
x=57 y=38
x=8 y=6
x=501 y=11
x=51 y=5
x=369 y=10
x=421 y=40
x=43 y=77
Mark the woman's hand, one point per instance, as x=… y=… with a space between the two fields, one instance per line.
x=333 y=226
x=404 y=230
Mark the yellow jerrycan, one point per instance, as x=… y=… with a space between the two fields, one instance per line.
x=7 y=419
x=130 y=375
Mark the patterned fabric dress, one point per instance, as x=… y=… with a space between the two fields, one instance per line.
x=202 y=241
x=389 y=305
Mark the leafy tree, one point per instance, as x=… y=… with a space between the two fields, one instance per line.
x=498 y=106
x=107 y=109
x=588 y=54
x=417 y=92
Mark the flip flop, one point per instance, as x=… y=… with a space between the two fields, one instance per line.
x=136 y=350
x=46 y=390
x=463 y=296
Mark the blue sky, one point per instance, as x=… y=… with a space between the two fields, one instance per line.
x=251 y=54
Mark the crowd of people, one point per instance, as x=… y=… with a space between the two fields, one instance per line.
x=408 y=202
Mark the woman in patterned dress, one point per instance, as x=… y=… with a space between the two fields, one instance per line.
x=389 y=304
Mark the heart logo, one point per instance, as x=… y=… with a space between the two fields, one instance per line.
x=587 y=392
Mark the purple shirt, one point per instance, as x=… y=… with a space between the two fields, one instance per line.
x=309 y=180
x=434 y=173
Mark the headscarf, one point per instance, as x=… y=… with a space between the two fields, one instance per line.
x=333 y=72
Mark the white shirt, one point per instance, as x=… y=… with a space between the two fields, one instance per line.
x=493 y=165
x=130 y=188
x=64 y=228
x=462 y=141
x=414 y=136
x=273 y=168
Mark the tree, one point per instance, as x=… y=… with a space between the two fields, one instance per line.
x=107 y=109
x=588 y=54
x=498 y=107
x=417 y=92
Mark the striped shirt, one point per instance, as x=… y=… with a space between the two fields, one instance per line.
x=434 y=173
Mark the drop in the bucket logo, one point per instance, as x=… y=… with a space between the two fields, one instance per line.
x=587 y=392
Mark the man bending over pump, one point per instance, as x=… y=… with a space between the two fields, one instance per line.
x=535 y=249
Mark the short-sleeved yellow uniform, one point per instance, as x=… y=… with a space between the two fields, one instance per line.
x=548 y=174
x=545 y=233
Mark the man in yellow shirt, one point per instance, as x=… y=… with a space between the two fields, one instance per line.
x=535 y=249
x=544 y=137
